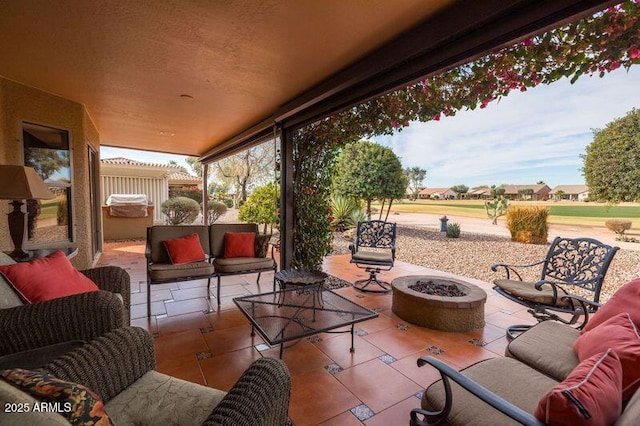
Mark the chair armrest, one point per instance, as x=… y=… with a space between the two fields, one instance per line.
x=259 y=397
x=352 y=247
x=509 y=269
x=82 y=316
x=108 y=364
x=115 y=280
x=474 y=388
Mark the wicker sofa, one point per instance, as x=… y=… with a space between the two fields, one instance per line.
x=506 y=390
x=160 y=270
x=80 y=317
x=119 y=368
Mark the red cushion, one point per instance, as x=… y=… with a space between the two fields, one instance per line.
x=624 y=300
x=185 y=249
x=620 y=334
x=47 y=278
x=593 y=387
x=239 y=244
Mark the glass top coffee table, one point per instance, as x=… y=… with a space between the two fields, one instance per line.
x=286 y=315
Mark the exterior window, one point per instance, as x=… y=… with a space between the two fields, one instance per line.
x=47 y=150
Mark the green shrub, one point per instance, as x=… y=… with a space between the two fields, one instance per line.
x=227 y=202
x=453 y=230
x=358 y=215
x=215 y=209
x=180 y=210
x=528 y=224
x=62 y=214
x=261 y=207
x=195 y=194
x=341 y=209
x=618 y=225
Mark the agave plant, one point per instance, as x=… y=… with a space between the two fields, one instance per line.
x=341 y=209
x=453 y=230
x=358 y=215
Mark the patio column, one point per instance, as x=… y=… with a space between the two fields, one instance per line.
x=205 y=195
x=286 y=199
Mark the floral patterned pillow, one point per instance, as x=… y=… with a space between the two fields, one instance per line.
x=77 y=403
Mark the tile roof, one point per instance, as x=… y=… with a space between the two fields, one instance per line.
x=570 y=189
x=129 y=162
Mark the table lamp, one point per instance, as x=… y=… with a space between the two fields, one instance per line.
x=19 y=183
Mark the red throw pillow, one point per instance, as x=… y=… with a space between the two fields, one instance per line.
x=239 y=244
x=47 y=278
x=590 y=395
x=185 y=249
x=620 y=334
x=623 y=300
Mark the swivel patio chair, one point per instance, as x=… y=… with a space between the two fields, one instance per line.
x=571 y=267
x=381 y=237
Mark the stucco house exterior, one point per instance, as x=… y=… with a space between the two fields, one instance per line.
x=538 y=192
x=570 y=192
x=436 y=194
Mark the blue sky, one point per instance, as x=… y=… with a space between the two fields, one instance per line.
x=526 y=137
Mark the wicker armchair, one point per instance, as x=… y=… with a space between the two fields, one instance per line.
x=80 y=317
x=134 y=393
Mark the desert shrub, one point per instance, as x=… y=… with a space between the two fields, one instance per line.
x=227 y=202
x=195 y=194
x=180 y=210
x=453 y=230
x=215 y=209
x=528 y=224
x=341 y=209
x=618 y=225
x=358 y=215
x=262 y=207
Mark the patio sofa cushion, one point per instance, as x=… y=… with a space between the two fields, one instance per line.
x=514 y=381
x=239 y=244
x=8 y=297
x=47 y=278
x=164 y=271
x=547 y=347
x=631 y=412
x=161 y=233
x=620 y=334
x=185 y=249
x=526 y=290
x=12 y=395
x=158 y=399
x=217 y=233
x=618 y=303
x=240 y=264
x=590 y=395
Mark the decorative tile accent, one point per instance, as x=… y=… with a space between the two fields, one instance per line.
x=419 y=394
x=206 y=330
x=434 y=350
x=208 y=311
x=402 y=327
x=360 y=296
x=203 y=355
x=387 y=359
x=314 y=339
x=333 y=368
x=262 y=347
x=162 y=316
x=362 y=412
x=478 y=342
x=360 y=332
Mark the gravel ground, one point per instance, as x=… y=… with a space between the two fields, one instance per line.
x=471 y=255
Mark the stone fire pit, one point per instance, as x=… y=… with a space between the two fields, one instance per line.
x=446 y=313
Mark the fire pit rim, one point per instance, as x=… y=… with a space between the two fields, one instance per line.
x=474 y=297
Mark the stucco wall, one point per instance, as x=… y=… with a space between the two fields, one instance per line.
x=19 y=103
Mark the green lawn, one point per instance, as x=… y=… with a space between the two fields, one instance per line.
x=576 y=213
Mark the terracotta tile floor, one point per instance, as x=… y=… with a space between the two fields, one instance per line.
x=376 y=385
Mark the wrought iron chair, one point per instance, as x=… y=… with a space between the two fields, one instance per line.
x=381 y=236
x=571 y=267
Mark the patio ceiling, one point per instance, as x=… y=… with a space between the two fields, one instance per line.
x=244 y=63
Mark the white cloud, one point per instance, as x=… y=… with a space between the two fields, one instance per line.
x=526 y=137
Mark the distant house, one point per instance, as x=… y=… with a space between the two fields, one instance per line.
x=527 y=192
x=570 y=192
x=125 y=176
x=436 y=194
x=480 y=193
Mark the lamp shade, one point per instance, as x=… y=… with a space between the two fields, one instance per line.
x=22 y=183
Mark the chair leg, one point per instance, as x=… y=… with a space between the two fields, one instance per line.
x=209 y=288
x=258 y=280
x=362 y=285
x=218 y=290
x=148 y=298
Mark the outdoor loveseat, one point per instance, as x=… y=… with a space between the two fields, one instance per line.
x=161 y=269
x=119 y=368
x=503 y=391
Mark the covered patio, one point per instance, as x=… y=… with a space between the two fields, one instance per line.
x=378 y=384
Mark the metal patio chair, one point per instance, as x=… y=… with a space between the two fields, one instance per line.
x=380 y=236
x=572 y=266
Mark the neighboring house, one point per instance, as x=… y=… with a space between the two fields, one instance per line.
x=437 y=194
x=537 y=192
x=182 y=180
x=125 y=176
x=479 y=193
x=570 y=192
